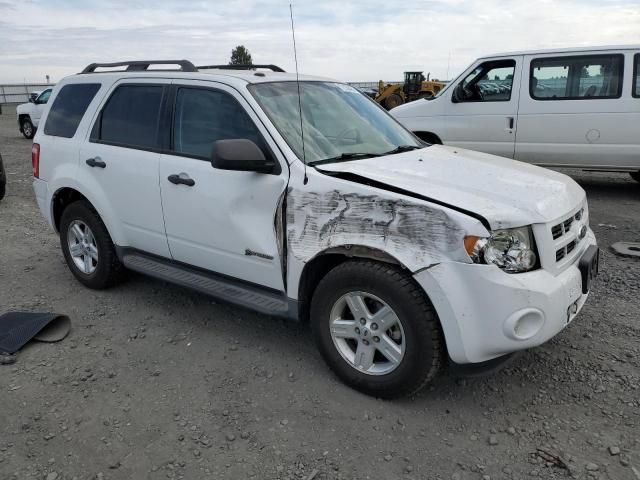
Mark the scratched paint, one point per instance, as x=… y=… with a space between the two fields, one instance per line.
x=413 y=232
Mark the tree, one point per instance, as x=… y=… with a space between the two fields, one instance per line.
x=240 y=56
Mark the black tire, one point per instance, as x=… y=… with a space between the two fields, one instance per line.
x=108 y=269
x=3 y=180
x=424 y=343
x=635 y=175
x=393 y=101
x=28 y=130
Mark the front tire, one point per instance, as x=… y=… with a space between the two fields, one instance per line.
x=28 y=130
x=376 y=329
x=3 y=180
x=87 y=247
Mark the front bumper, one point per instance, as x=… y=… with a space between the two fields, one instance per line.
x=486 y=313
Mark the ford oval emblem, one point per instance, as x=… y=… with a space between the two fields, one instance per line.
x=583 y=232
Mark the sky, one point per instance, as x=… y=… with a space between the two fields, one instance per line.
x=358 y=40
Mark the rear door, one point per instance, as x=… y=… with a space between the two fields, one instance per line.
x=120 y=161
x=577 y=110
x=220 y=220
x=483 y=109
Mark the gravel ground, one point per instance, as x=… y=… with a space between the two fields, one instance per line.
x=155 y=381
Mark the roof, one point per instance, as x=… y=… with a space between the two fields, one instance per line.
x=565 y=50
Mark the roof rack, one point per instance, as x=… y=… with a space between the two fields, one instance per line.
x=141 y=65
x=273 y=68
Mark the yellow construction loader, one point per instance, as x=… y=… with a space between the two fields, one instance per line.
x=415 y=86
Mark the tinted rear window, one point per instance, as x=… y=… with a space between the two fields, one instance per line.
x=68 y=109
x=131 y=117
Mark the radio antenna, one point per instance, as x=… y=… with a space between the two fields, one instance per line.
x=295 y=56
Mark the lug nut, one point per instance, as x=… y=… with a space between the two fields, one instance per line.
x=357 y=330
x=362 y=321
x=366 y=342
x=376 y=339
x=374 y=326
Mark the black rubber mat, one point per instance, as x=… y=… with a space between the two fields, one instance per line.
x=17 y=328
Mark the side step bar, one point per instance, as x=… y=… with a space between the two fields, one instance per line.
x=237 y=292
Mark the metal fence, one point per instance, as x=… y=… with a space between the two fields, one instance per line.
x=19 y=93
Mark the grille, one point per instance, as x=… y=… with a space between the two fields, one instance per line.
x=563 y=228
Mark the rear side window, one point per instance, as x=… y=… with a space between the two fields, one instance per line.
x=68 y=109
x=130 y=118
x=204 y=116
x=576 y=78
x=636 y=76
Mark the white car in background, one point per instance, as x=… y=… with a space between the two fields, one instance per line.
x=29 y=114
x=577 y=108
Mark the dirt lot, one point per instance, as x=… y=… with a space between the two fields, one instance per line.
x=155 y=381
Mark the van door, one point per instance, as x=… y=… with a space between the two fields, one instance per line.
x=483 y=111
x=573 y=111
x=120 y=161
x=221 y=220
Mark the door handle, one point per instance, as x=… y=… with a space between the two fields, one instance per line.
x=96 y=162
x=181 y=179
x=510 y=123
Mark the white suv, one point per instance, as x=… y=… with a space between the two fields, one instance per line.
x=397 y=252
x=29 y=114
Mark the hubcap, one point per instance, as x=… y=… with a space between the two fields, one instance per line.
x=367 y=333
x=82 y=247
x=27 y=128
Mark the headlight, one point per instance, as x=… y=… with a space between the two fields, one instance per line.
x=513 y=250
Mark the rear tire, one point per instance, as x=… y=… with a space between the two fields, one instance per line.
x=28 y=130
x=87 y=247
x=409 y=321
x=635 y=175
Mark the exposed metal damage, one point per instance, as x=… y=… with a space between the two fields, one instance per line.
x=412 y=232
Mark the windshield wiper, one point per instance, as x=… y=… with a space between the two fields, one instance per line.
x=401 y=149
x=345 y=156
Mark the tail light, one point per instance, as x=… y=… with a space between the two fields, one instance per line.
x=35 y=159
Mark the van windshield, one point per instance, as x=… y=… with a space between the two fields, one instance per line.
x=339 y=122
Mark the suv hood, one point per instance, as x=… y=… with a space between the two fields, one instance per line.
x=507 y=193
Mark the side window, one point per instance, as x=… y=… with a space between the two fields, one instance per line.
x=576 y=78
x=636 y=76
x=44 y=97
x=131 y=117
x=488 y=82
x=204 y=116
x=68 y=109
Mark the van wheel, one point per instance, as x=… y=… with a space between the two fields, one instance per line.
x=376 y=329
x=3 y=180
x=635 y=175
x=28 y=130
x=87 y=247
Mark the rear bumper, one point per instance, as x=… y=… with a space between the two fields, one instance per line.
x=486 y=313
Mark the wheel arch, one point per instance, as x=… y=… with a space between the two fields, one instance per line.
x=316 y=268
x=66 y=195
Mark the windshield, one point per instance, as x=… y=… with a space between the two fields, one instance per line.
x=339 y=122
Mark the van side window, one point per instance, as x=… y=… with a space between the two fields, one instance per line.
x=488 y=82
x=68 y=109
x=203 y=116
x=636 y=77
x=130 y=118
x=576 y=78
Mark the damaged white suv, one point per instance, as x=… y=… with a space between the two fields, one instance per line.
x=399 y=253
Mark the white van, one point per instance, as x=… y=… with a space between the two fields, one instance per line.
x=575 y=108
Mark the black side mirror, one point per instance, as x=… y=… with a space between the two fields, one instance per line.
x=31 y=99
x=241 y=155
x=458 y=94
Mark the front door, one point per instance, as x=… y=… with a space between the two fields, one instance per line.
x=220 y=220
x=483 y=111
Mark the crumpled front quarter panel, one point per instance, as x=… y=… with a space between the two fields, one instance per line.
x=330 y=212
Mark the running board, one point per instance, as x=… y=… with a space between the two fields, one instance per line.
x=226 y=289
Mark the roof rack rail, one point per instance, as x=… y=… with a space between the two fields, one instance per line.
x=273 y=68
x=141 y=65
